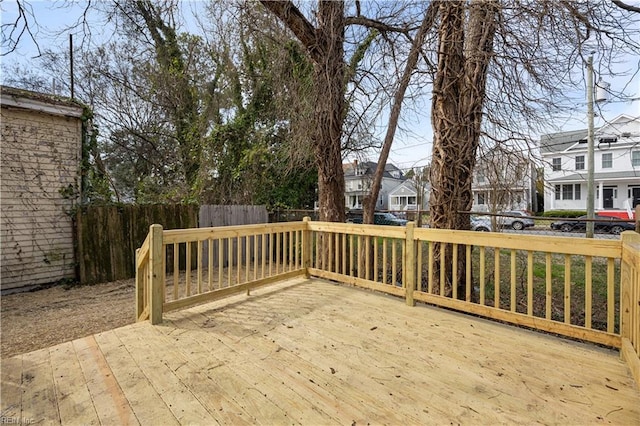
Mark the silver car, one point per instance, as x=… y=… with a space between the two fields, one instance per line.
x=515 y=219
x=481 y=224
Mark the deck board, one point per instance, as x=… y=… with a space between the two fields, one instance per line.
x=11 y=390
x=72 y=394
x=146 y=403
x=106 y=394
x=313 y=352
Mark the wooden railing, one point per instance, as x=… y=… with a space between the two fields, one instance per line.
x=143 y=280
x=581 y=288
x=630 y=300
x=203 y=264
x=560 y=285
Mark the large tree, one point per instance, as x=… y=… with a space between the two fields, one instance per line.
x=325 y=46
x=323 y=38
x=505 y=66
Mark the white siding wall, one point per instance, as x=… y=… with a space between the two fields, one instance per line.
x=40 y=156
x=621 y=161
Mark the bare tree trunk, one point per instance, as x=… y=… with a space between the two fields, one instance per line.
x=458 y=96
x=329 y=69
x=325 y=46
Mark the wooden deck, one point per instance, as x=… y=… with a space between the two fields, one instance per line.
x=311 y=352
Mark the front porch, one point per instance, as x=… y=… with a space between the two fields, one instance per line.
x=307 y=351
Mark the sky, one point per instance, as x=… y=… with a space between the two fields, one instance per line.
x=412 y=144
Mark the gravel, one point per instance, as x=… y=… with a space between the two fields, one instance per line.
x=43 y=318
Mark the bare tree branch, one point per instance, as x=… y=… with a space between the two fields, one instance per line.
x=296 y=22
x=378 y=25
x=626 y=6
x=12 y=32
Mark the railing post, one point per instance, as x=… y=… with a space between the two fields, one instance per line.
x=139 y=288
x=630 y=302
x=627 y=284
x=306 y=246
x=155 y=274
x=410 y=263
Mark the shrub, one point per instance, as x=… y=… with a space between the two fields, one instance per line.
x=564 y=213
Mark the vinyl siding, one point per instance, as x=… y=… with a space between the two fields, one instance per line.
x=40 y=156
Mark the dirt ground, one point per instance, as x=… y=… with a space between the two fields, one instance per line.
x=38 y=319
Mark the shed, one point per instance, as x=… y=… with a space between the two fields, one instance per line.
x=40 y=185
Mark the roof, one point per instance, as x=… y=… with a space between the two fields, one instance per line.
x=369 y=168
x=406 y=184
x=562 y=141
x=558 y=142
x=42 y=102
x=598 y=176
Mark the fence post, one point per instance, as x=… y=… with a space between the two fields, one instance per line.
x=410 y=263
x=155 y=274
x=306 y=246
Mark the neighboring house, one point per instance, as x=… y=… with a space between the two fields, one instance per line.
x=616 y=167
x=503 y=180
x=405 y=197
x=358 y=177
x=40 y=166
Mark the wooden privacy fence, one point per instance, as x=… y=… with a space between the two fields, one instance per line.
x=107 y=236
x=216 y=215
x=581 y=288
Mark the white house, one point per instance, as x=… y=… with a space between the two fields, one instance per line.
x=405 y=197
x=358 y=177
x=616 y=167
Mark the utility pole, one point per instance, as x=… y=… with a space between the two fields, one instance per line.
x=590 y=143
x=73 y=95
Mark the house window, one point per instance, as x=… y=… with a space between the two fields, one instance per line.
x=607 y=160
x=579 y=162
x=556 y=164
x=480 y=177
x=480 y=198
x=576 y=193
x=567 y=192
x=635 y=158
x=558 y=192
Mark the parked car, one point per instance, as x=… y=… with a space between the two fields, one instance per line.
x=522 y=221
x=379 y=218
x=481 y=224
x=603 y=223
